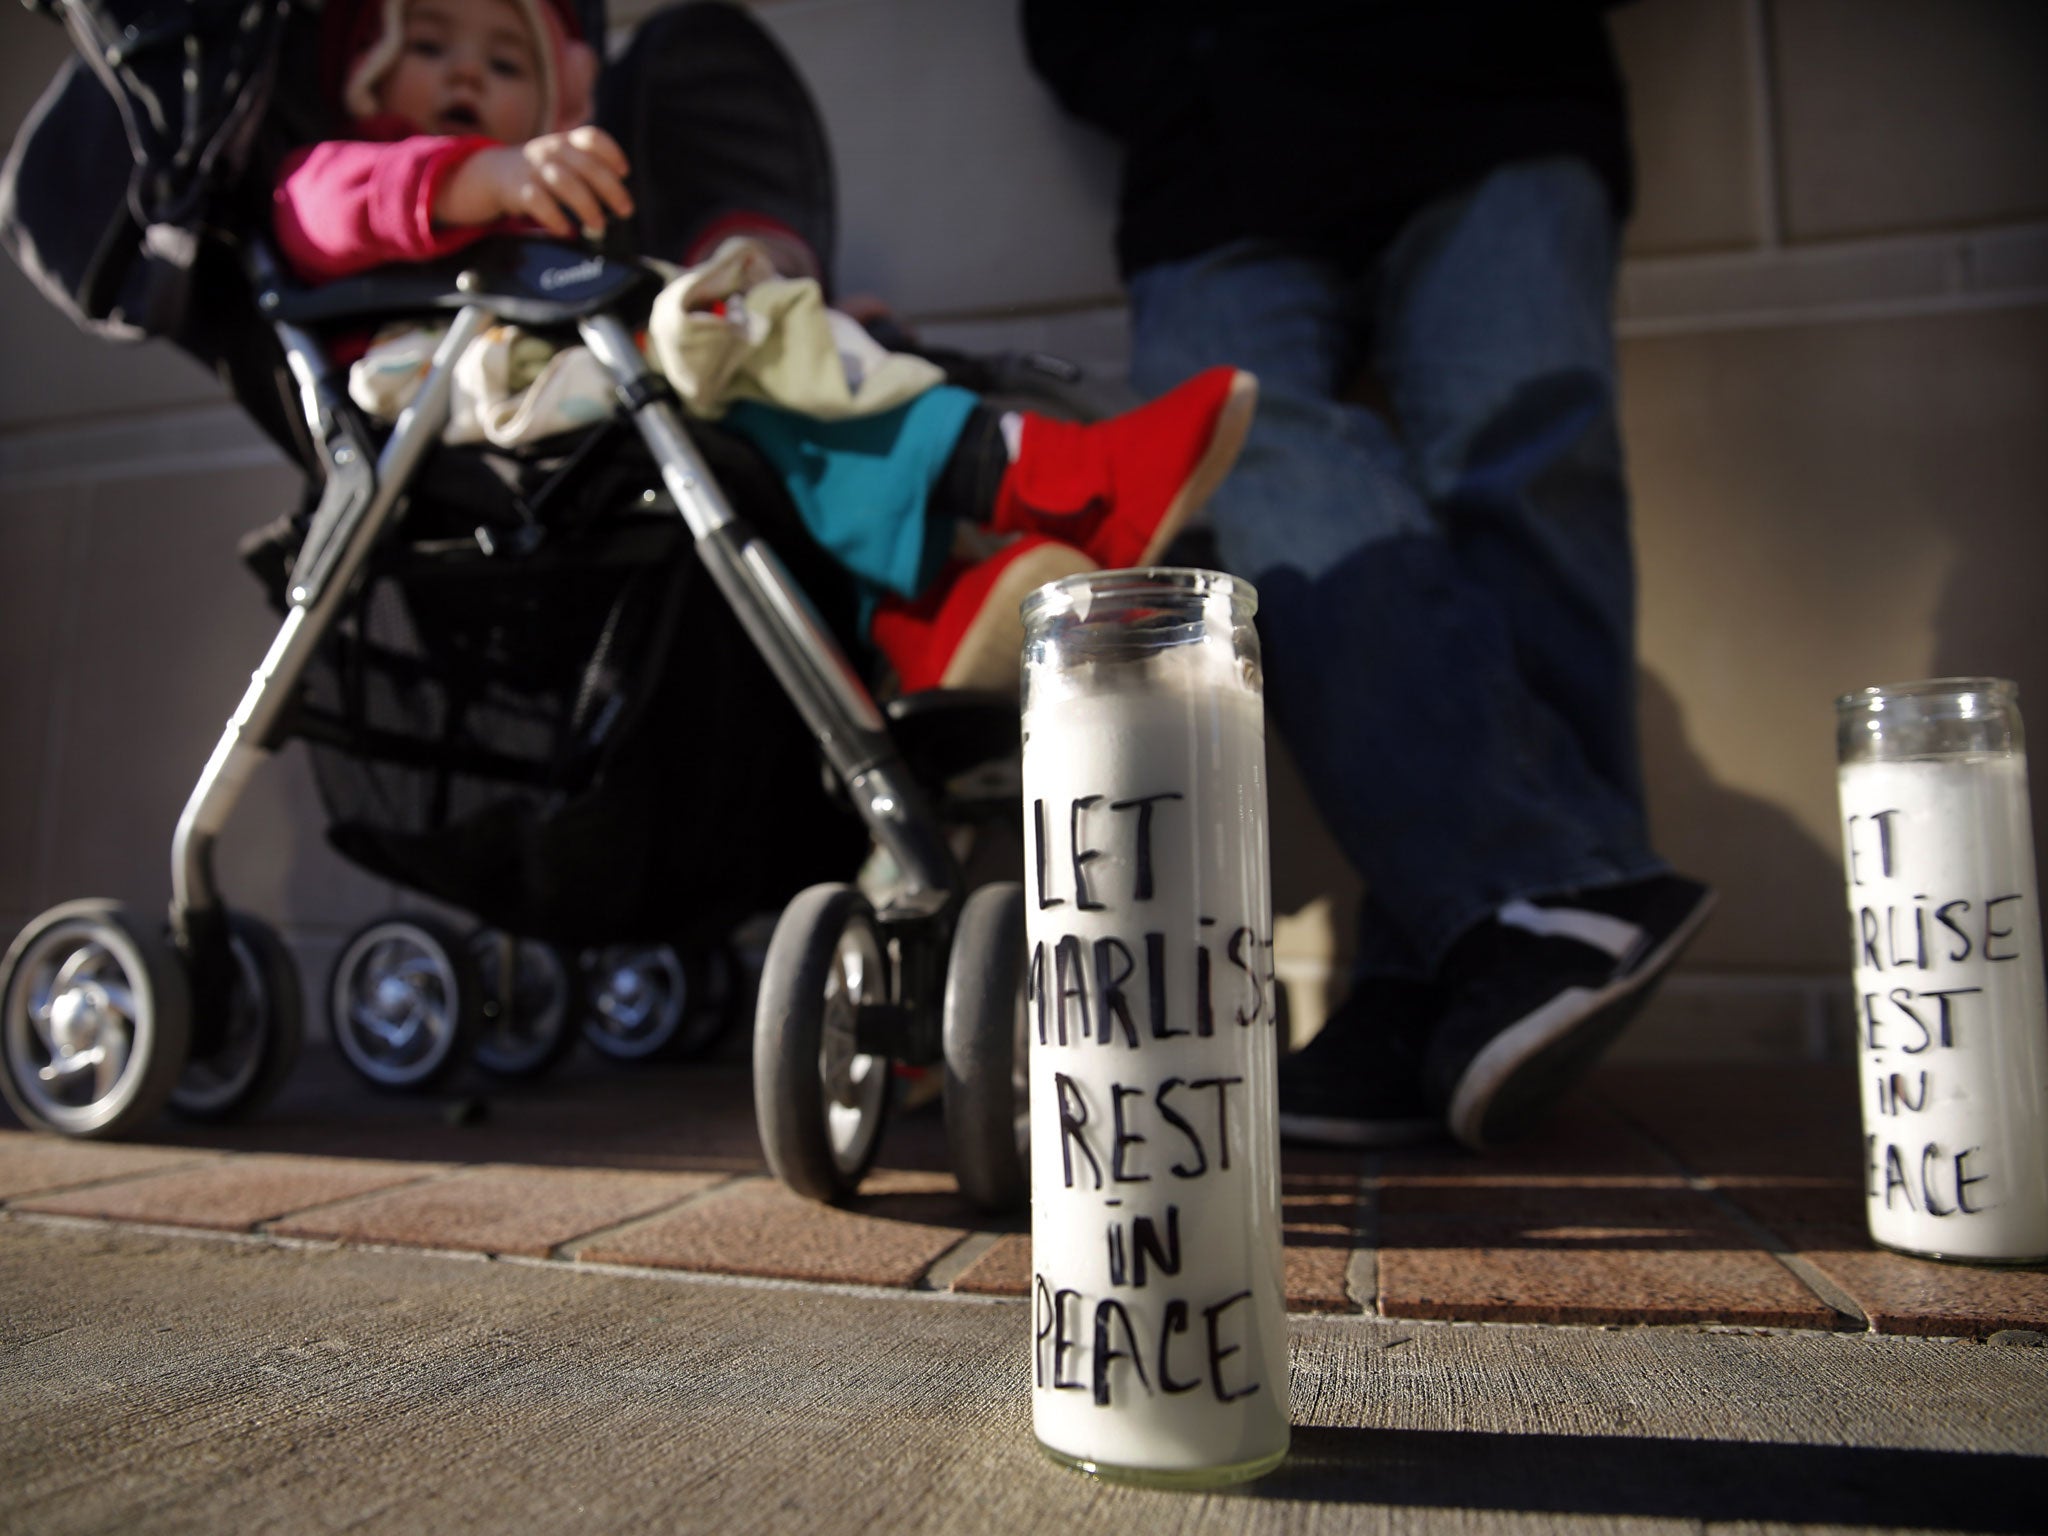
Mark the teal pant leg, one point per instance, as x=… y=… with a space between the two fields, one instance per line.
x=863 y=486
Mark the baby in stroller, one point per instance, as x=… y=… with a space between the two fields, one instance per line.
x=469 y=118
x=622 y=809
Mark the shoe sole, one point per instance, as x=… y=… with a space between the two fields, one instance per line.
x=1531 y=1063
x=990 y=653
x=1330 y=1131
x=1226 y=442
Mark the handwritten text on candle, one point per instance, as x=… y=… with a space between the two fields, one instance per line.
x=1129 y=1137
x=1959 y=935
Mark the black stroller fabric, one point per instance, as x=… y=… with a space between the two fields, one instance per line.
x=706 y=95
x=576 y=741
x=136 y=152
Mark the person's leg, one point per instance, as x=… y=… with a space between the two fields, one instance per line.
x=863 y=485
x=1390 y=670
x=1032 y=499
x=723 y=138
x=1494 y=335
x=889 y=496
x=1394 y=671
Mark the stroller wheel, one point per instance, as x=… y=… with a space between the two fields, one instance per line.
x=404 y=1002
x=260 y=1041
x=988 y=1103
x=95 y=1020
x=528 y=1024
x=818 y=1098
x=641 y=1001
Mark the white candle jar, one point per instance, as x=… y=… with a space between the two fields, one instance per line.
x=1951 y=1026
x=1158 y=1310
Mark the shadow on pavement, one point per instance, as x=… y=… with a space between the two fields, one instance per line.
x=1646 y=1478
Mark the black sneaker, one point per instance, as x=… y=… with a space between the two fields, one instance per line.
x=1359 y=1082
x=1537 y=992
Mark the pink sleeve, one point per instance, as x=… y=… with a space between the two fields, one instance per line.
x=346 y=206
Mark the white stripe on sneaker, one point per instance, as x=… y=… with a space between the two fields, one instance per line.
x=1610 y=935
x=1503 y=1055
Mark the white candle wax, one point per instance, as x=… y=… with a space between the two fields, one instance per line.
x=1952 y=1031
x=1159 y=1327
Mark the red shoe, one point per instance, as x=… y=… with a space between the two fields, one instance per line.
x=966 y=631
x=1119 y=490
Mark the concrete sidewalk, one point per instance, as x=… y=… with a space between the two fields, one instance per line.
x=582 y=1302
x=158 y=1383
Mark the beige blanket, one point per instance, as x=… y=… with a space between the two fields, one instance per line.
x=727 y=329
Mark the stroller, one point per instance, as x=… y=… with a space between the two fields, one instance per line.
x=575 y=691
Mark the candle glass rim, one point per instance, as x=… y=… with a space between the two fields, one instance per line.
x=2004 y=689
x=1166 y=581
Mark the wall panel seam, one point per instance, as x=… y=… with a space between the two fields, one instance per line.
x=1764 y=108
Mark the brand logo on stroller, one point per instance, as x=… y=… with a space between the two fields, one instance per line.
x=562 y=277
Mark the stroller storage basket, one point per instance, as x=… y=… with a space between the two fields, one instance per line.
x=538 y=739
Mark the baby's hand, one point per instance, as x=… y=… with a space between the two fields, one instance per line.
x=562 y=181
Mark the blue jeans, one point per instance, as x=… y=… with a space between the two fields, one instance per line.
x=1446 y=597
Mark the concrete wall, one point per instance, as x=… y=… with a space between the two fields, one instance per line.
x=1835 y=356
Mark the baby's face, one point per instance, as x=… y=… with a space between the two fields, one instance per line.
x=466 y=66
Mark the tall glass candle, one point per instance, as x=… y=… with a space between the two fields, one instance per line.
x=1159 y=1334
x=1951 y=1022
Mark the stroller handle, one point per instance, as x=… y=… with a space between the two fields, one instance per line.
x=521 y=278
x=791 y=637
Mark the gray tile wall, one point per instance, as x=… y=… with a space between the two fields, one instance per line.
x=1823 y=507
x=1910 y=114
x=1697 y=98
x=1835 y=312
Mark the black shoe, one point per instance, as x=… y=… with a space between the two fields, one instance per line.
x=1538 y=991
x=1359 y=1082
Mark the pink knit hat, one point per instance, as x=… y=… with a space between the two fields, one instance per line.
x=376 y=34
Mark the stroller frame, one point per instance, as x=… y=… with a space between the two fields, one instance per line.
x=934 y=974
x=361 y=501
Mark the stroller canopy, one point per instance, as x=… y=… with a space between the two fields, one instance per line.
x=164 y=130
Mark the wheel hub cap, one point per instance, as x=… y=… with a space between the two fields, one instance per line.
x=625 y=997
x=78 y=1016
x=394 y=1010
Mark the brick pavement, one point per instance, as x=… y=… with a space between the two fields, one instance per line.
x=1697 y=1195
